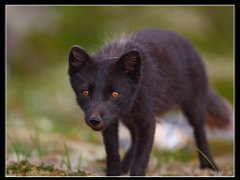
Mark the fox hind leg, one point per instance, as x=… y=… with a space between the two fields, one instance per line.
x=196 y=114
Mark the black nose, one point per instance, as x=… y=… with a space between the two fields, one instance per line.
x=94 y=121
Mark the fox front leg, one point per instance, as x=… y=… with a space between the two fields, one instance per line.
x=110 y=137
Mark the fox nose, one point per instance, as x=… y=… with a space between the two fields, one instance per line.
x=94 y=121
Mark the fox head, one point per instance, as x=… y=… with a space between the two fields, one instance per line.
x=105 y=87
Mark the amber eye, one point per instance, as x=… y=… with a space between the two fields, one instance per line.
x=115 y=94
x=85 y=93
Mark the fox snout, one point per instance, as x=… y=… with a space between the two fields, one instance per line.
x=95 y=122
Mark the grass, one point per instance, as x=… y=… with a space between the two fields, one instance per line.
x=210 y=162
x=183 y=155
x=167 y=162
x=184 y=162
x=47 y=148
x=67 y=162
x=37 y=144
x=15 y=149
x=23 y=167
x=20 y=150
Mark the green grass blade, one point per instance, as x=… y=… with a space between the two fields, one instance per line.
x=67 y=156
x=15 y=148
x=210 y=162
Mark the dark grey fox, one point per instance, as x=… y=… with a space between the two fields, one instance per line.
x=135 y=78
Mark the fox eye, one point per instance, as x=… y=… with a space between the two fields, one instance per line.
x=115 y=94
x=85 y=93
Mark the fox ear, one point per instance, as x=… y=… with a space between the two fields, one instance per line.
x=130 y=62
x=77 y=58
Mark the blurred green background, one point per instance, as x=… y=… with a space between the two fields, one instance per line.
x=39 y=96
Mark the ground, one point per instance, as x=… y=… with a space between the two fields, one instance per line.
x=52 y=154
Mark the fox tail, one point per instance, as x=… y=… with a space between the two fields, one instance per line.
x=218 y=112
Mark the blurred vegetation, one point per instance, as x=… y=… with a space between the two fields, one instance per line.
x=39 y=95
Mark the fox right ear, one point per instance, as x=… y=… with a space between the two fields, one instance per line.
x=77 y=58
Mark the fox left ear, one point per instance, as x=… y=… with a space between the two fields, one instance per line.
x=130 y=62
x=77 y=58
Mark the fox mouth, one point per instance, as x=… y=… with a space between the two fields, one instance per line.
x=99 y=127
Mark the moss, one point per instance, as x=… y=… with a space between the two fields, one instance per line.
x=25 y=168
x=19 y=168
x=43 y=167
